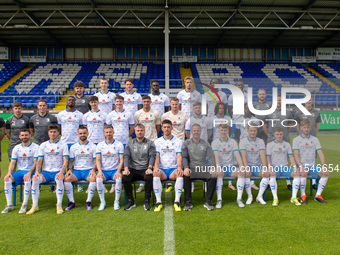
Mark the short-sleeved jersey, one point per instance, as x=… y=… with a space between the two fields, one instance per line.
x=110 y=154
x=278 y=153
x=314 y=119
x=178 y=123
x=242 y=125
x=40 y=125
x=53 y=154
x=82 y=103
x=261 y=106
x=83 y=155
x=15 y=125
x=159 y=102
x=95 y=122
x=121 y=122
x=211 y=103
x=106 y=101
x=149 y=120
x=253 y=149
x=168 y=149
x=226 y=150
x=306 y=148
x=70 y=122
x=25 y=155
x=216 y=122
x=205 y=123
x=277 y=123
x=230 y=98
x=131 y=102
x=187 y=99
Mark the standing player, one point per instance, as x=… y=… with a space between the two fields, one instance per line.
x=53 y=154
x=81 y=166
x=278 y=152
x=122 y=121
x=139 y=158
x=204 y=122
x=168 y=165
x=211 y=100
x=109 y=160
x=240 y=85
x=188 y=96
x=160 y=101
x=25 y=154
x=13 y=126
x=195 y=152
x=70 y=120
x=95 y=120
x=314 y=120
x=82 y=101
x=304 y=148
x=269 y=127
x=244 y=121
x=225 y=149
x=150 y=118
x=105 y=97
x=262 y=104
x=253 y=152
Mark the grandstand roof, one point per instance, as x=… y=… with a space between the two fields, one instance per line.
x=213 y=23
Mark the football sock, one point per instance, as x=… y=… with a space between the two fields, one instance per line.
x=219 y=186
x=27 y=191
x=100 y=188
x=157 y=187
x=178 y=188
x=36 y=190
x=240 y=187
x=118 y=189
x=263 y=185
x=8 y=191
x=296 y=186
x=60 y=191
x=92 y=189
x=273 y=186
x=69 y=191
x=321 y=186
x=303 y=186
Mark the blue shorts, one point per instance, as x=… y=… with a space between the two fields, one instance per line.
x=109 y=174
x=81 y=174
x=69 y=145
x=18 y=177
x=168 y=172
x=314 y=171
x=49 y=176
x=284 y=171
x=228 y=170
x=255 y=170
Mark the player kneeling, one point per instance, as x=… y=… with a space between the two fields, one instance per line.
x=168 y=165
x=224 y=150
x=81 y=166
x=109 y=162
x=278 y=152
x=54 y=155
x=253 y=152
x=304 y=147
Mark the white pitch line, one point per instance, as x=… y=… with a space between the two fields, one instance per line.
x=169 y=233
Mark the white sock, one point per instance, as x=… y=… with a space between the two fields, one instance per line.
x=263 y=185
x=288 y=182
x=321 y=186
x=303 y=186
x=240 y=187
x=230 y=183
x=60 y=191
x=157 y=187
x=91 y=189
x=219 y=186
x=9 y=191
x=27 y=191
x=296 y=186
x=314 y=181
x=69 y=191
x=273 y=186
x=178 y=188
x=118 y=189
x=247 y=186
x=36 y=190
x=100 y=188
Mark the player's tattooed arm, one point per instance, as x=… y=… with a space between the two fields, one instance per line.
x=70 y=164
x=65 y=163
x=39 y=165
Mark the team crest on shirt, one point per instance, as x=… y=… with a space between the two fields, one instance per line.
x=47 y=119
x=83 y=101
x=22 y=121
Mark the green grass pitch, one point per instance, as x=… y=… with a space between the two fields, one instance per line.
x=255 y=229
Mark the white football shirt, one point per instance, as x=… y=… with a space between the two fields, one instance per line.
x=131 y=102
x=242 y=125
x=187 y=99
x=110 y=154
x=306 y=148
x=168 y=150
x=216 y=121
x=121 y=122
x=106 y=101
x=253 y=149
x=70 y=122
x=83 y=155
x=159 y=102
x=53 y=154
x=205 y=123
x=278 y=153
x=25 y=155
x=226 y=150
x=95 y=122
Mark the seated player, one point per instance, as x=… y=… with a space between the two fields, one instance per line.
x=53 y=154
x=253 y=152
x=81 y=166
x=224 y=150
x=109 y=161
x=278 y=152
x=304 y=148
x=25 y=154
x=168 y=165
